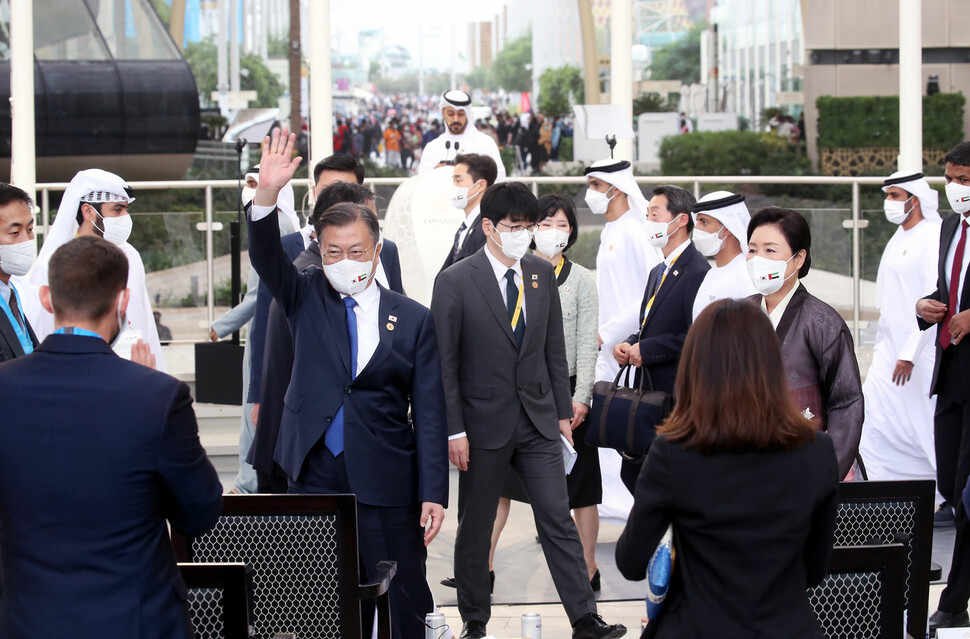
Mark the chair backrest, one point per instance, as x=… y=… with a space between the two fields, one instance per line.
x=885 y=512
x=302 y=550
x=861 y=597
x=218 y=599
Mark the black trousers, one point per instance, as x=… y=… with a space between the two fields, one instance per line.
x=952 y=439
x=383 y=534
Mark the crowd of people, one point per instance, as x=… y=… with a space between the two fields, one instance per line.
x=352 y=387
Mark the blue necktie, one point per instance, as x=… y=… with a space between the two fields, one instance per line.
x=334 y=438
x=456 y=247
x=660 y=277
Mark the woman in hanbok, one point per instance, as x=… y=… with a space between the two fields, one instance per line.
x=817 y=348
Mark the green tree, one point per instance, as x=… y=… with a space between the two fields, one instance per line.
x=255 y=75
x=164 y=11
x=679 y=60
x=650 y=103
x=512 y=67
x=481 y=78
x=559 y=89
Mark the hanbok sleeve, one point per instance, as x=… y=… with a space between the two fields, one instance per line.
x=841 y=388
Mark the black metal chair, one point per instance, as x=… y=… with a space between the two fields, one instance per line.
x=886 y=512
x=861 y=597
x=302 y=550
x=218 y=599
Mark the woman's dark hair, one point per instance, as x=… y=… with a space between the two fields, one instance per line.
x=731 y=389
x=511 y=200
x=549 y=205
x=792 y=225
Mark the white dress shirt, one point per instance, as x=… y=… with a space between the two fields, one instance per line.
x=950 y=254
x=775 y=315
x=368 y=328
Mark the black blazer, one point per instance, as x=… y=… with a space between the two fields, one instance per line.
x=487 y=378
x=97 y=456
x=949 y=228
x=10 y=346
x=662 y=337
x=474 y=240
x=752 y=531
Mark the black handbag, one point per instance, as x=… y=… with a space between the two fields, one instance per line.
x=626 y=418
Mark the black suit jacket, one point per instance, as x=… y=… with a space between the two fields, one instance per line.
x=487 y=378
x=662 y=337
x=395 y=446
x=751 y=531
x=10 y=346
x=474 y=240
x=97 y=455
x=949 y=228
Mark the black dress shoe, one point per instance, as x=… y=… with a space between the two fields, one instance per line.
x=940 y=619
x=592 y=626
x=473 y=630
x=943 y=517
x=450 y=581
x=594 y=583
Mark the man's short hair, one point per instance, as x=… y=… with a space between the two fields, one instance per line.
x=336 y=193
x=480 y=167
x=339 y=162
x=678 y=201
x=959 y=155
x=512 y=200
x=10 y=193
x=345 y=214
x=85 y=276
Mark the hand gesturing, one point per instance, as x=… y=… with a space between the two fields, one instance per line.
x=277 y=166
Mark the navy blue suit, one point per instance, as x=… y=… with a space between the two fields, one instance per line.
x=96 y=454
x=662 y=336
x=395 y=453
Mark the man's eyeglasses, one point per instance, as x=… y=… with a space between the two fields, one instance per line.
x=517 y=229
x=358 y=255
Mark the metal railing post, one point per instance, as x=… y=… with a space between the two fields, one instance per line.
x=45 y=210
x=209 y=259
x=856 y=261
x=697 y=190
x=535 y=188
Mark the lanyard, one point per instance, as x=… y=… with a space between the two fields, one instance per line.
x=646 y=311
x=518 y=309
x=73 y=330
x=25 y=342
x=562 y=261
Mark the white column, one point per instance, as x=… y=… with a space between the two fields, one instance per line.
x=321 y=84
x=222 y=59
x=910 y=86
x=23 y=170
x=234 y=45
x=621 y=68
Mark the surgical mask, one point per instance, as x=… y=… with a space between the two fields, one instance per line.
x=551 y=242
x=767 y=275
x=247 y=195
x=16 y=259
x=460 y=197
x=895 y=210
x=657 y=233
x=349 y=277
x=598 y=202
x=514 y=245
x=959 y=196
x=122 y=345
x=709 y=244
x=116 y=229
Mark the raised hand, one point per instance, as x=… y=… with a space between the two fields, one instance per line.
x=277 y=166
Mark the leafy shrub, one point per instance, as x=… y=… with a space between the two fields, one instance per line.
x=873 y=121
x=730 y=153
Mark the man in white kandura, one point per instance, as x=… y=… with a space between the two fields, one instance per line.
x=720 y=230
x=96 y=203
x=460 y=135
x=897 y=435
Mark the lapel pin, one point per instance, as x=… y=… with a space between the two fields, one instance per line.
x=389 y=326
x=393 y=318
x=676 y=273
x=535 y=276
x=535 y=285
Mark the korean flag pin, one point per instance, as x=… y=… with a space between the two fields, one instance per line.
x=390 y=325
x=535 y=277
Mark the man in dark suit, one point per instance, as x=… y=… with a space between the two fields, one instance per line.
x=947 y=307
x=97 y=454
x=667 y=308
x=503 y=358
x=473 y=174
x=275 y=345
x=17 y=253
x=364 y=410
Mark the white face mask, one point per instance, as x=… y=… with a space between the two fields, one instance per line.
x=598 y=202
x=895 y=210
x=551 y=242
x=767 y=275
x=959 y=196
x=349 y=276
x=709 y=244
x=514 y=245
x=460 y=197
x=247 y=195
x=122 y=326
x=116 y=230
x=16 y=259
x=657 y=235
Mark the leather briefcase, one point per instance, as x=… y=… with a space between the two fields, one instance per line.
x=626 y=418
